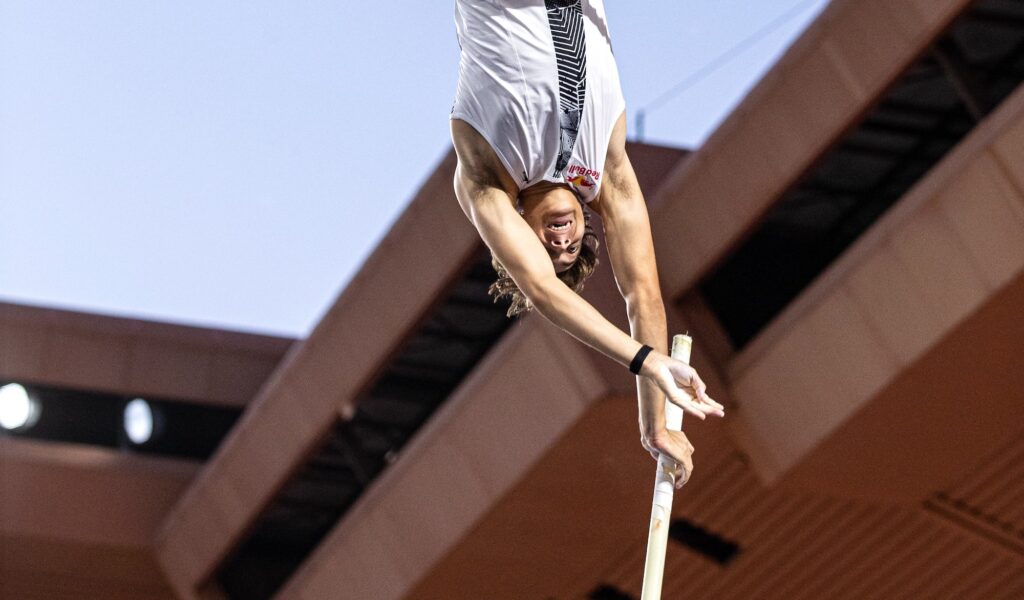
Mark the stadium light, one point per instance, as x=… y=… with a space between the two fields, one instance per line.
x=17 y=409
x=139 y=421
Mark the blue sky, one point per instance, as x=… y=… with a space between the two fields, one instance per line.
x=232 y=163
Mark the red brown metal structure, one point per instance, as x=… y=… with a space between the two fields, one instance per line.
x=873 y=446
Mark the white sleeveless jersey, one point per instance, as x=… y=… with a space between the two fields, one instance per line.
x=538 y=80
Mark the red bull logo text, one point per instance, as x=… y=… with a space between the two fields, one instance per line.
x=585 y=172
x=580 y=176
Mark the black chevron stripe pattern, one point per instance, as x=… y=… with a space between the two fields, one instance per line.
x=565 y=18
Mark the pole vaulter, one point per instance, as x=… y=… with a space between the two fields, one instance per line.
x=539 y=129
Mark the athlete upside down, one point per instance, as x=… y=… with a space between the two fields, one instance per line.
x=539 y=129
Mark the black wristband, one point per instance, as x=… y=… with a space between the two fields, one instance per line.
x=638 y=360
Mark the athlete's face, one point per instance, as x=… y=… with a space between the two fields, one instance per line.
x=556 y=216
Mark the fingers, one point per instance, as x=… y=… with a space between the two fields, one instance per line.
x=676 y=449
x=705 y=404
x=700 y=394
x=694 y=398
x=699 y=387
x=684 y=388
x=682 y=474
x=682 y=478
x=692 y=407
x=709 y=400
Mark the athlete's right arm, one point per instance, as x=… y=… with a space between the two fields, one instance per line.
x=517 y=248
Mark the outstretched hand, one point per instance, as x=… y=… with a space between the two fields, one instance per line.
x=682 y=386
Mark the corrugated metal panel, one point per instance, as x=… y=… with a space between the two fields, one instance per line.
x=989 y=500
x=996 y=488
x=808 y=546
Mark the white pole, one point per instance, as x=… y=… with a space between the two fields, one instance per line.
x=664 y=486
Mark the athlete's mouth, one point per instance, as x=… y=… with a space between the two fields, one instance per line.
x=560 y=225
x=560 y=222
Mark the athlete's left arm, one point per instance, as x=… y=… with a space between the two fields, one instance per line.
x=631 y=251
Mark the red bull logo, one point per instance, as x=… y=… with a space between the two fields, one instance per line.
x=580 y=181
x=580 y=176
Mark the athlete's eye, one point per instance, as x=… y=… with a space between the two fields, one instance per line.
x=574 y=249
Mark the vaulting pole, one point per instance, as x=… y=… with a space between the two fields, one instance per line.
x=664 y=486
